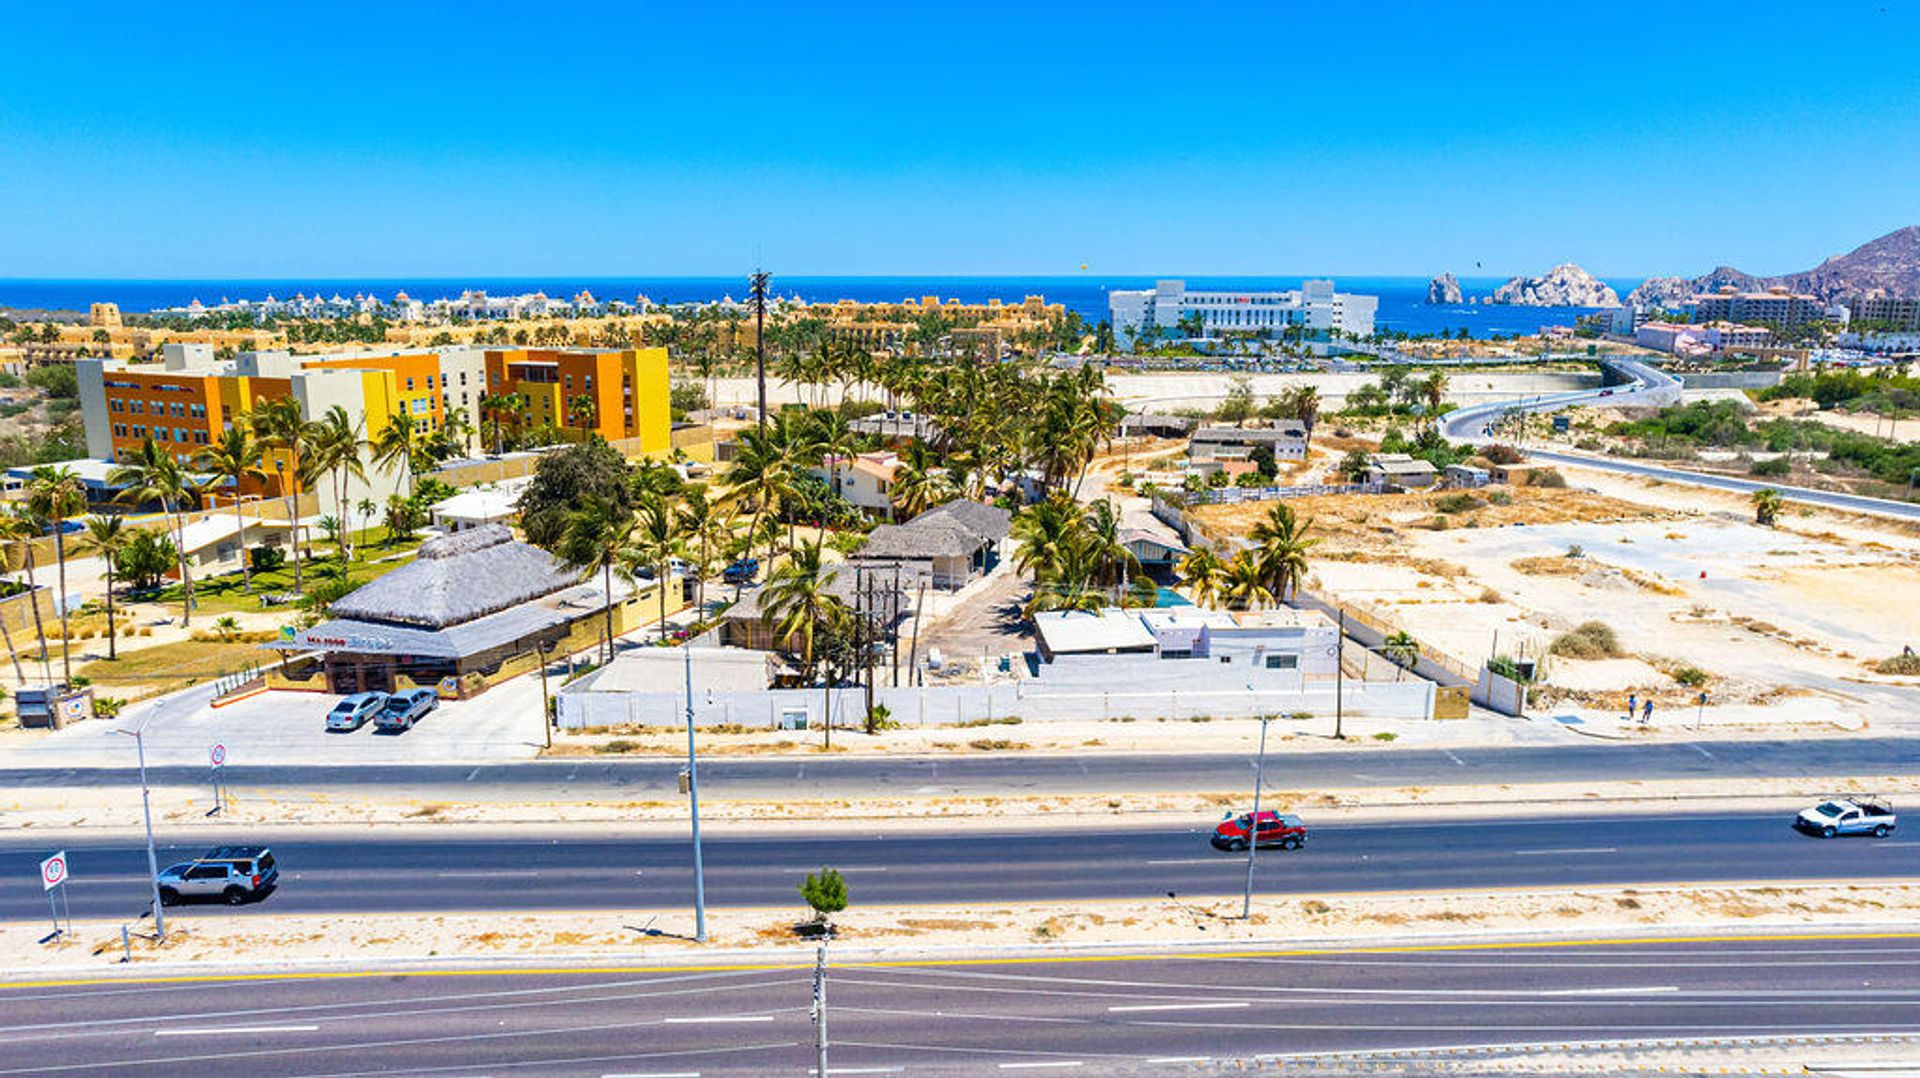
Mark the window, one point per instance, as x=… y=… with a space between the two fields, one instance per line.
x=409 y=385
x=181 y=434
x=207 y=872
x=1283 y=662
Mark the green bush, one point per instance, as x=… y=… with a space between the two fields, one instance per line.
x=1457 y=502
x=1903 y=664
x=1691 y=676
x=826 y=893
x=1778 y=466
x=1590 y=640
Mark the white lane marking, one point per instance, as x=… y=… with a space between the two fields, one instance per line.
x=1455 y=759
x=1550 y=853
x=1040 y=1064
x=1702 y=751
x=1652 y=989
x=1179 y=1007
x=1193 y=861
x=717 y=1019
x=232 y=1031
x=1178 y=1059
x=669 y=1074
x=865 y=1070
x=472 y=774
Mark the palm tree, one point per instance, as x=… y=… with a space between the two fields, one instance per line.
x=280 y=427
x=1434 y=388
x=583 y=409
x=1047 y=533
x=1282 y=543
x=151 y=474
x=1203 y=573
x=1402 y=650
x=17 y=527
x=797 y=600
x=109 y=535
x=55 y=493
x=702 y=532
x=236 y=458
x=335 y=451
x=1767 y=504
x=654 y=542
x=1245 y=581
x=1112 y=562
x=458 y=428
x=396 y=443
x=763 y=472
x=1306 y=407
x=920 y=483
x=592 y=538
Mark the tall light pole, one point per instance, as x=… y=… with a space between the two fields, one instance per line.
x=138 y=734
x=693 y=801
x=757 y=288
x=1253 y=822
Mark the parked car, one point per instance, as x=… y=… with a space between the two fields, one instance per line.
x=1848 y=816
x=232 y=874
x=741 y=572
x=403 y=709
x=1276 y=829
x=353 y=712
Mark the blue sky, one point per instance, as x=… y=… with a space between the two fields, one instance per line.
x=377 y=140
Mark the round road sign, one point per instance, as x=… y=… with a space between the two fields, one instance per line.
x=53 y=871
x=219 y=755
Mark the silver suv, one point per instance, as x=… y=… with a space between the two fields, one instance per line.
x=233 y=874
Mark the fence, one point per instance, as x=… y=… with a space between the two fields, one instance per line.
x=1241 y=495
x=952 y=705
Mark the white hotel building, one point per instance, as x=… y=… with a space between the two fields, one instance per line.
x=1316 y=308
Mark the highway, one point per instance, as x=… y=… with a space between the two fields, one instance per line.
x=813 y=776
x=1129 y=1014
x=426 y=870
x=1646 y=385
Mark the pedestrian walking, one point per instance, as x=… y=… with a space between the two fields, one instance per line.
x=1633 y=705
x=1646 y=714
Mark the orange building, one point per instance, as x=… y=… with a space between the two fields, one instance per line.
x=613 y=392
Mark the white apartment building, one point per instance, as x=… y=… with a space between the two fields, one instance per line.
x=1315 y=308
x=1776 y=305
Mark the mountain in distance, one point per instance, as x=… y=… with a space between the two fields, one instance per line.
x=1888 y=266
x=1565 y=285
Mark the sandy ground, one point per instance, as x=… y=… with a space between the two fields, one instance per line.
x=1798 y=612
x=206 y=936
x=93 y=812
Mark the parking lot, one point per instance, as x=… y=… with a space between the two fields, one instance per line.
x=290 y=728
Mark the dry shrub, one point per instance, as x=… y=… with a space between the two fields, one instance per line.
x=1590 y=640
x=1488 y=595
x=1548 y=566
x=1903 y=664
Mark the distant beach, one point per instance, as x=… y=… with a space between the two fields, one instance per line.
x=1403 y=305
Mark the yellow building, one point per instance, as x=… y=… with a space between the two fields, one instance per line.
x=616 y=393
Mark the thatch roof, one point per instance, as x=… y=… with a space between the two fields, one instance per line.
x=457 y=578
x=989 y=522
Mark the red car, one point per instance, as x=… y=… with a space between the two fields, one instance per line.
x=1286 y=832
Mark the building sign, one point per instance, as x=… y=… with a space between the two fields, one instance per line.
x=345 y=643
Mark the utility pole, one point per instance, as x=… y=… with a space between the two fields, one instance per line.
x=138 y=734
x=1339 y=676
x=757 y=286
x=546 y=703
x=820 y=1011
x=1253 y=822
x=693 y=802
x=866 y=639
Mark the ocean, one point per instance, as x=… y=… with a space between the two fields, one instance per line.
x=1403 y=305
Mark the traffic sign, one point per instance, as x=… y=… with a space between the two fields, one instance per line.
x=219 y=755
x=53 y=871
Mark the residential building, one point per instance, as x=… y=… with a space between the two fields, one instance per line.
x=1398 y=471
x=950 y=544
x=1286 y=439
x=1776 y=306
x=865 y=480
x=616 y=393
x=1182 y=646
x=1887 y=313
x=1686 y=338
x=896 y=428
x=1314 y=311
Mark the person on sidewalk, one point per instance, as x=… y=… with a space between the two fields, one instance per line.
x=1633 y=705
x=1646 y=714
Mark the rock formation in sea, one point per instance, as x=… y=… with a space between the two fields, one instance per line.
x=1664 y=292
x=1565 y=285
x=1444 y=289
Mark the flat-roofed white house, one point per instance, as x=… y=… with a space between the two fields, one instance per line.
x=865 y=480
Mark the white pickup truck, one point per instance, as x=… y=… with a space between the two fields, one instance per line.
x=1848 y=816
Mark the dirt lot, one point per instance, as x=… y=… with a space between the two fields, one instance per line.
x=1684 y=579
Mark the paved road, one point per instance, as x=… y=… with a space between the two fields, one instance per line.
x=1087 y=1015
x=752 y=778
x=1645 y=384
x=415 y=872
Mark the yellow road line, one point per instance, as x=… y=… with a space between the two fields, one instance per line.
x=937 y=963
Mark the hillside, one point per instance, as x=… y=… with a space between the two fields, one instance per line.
x=1888 y=266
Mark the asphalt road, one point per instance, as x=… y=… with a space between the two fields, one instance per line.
x=1089 y=1015
x=415 y=872
x=755 y=778
x=1643 y=381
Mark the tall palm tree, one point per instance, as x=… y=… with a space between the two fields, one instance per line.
x=592 y=539
x=703 y=533
x=1282 y=542
x=798 y=601
x=151 y=474
x=654 y=541
x=55 y=494
x=920 y=483
x=18 y=527
x=1244 y=584
x=396 y=444
x=1434 y=388
x=335 y=451
x=583 y=410
x=1047 y=532
x=236 y=458
x=1402 y=650
x=1112 y=562
x=762 y=471
x=280 y=427
x=1203 y=572
x=108 y=534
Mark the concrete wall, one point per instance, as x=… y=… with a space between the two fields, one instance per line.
x=1731 y=380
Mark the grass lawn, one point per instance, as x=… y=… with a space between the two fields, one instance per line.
x=227 y=594
x=167 y=667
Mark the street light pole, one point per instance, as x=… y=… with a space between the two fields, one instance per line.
x=146 y=810
x=820 y=1011
x=1253 y=822
x=693 y=802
